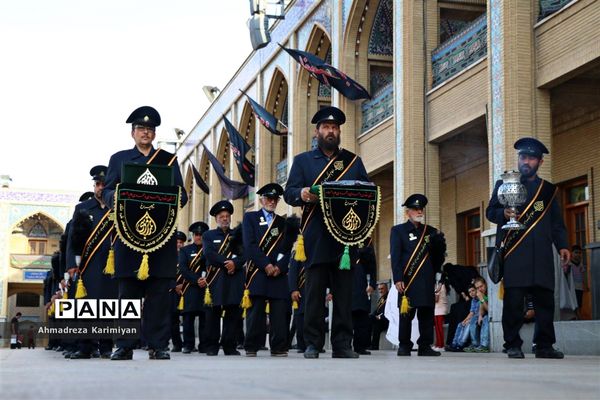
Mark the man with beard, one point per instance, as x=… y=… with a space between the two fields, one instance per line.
x=417 y=253
x=528 y=254
x=327 y=162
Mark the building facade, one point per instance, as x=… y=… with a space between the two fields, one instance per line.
x=454 y=84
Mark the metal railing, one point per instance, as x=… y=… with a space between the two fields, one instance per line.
x=281 y=172
x=548 y=7
x=379 y=108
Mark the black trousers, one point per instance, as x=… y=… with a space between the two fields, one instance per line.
x=512 y=316
x=425 y=316
x=189 y=335
x=156 y=310
x=299 y=324
x=318 y=278
x=213 y=328
x=256 y=325
x=379 y=325
x=175 y=332
x=362 y=330
x=88 y=346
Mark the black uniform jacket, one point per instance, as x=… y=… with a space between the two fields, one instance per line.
x=225 y=289
x=532 y=261
x=255 y=227
x=162 y=262
x=97 y=284
x=319 y=245
x=193 y=298
x=403 y=240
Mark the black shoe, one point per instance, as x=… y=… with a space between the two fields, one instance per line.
x=427 y=351
x=96 y=354
x=80 y=355
x=158 y=355
x=176 y=349
x=549 y=353
x=311 y=352
x=186 y=350
x=122 y=354
x=403 y=352
x=232 y=353
x=264 y=348
x=106 y=355
x=67 y=354
x=301 y=351
x=240 y=346
x=515 y=352
x=364 y=352
x=345 y=353
x=48 y=348
x=59 y=348
x=212 y=353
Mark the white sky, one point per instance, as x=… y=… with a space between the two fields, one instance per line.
x=71 y=72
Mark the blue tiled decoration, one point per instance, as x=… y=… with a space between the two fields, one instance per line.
x=324 y=90
x=462 y=50
x=379 y=108
x=548 y=7
x=281 y=172
x=380 y=76
x=450 y=27
x=496 y=65
x=381 y=40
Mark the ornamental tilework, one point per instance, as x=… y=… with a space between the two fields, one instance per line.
x=380 y=77
x=378 y=109
x=548 y=7
x=381 y=40
x=324 y=90
x=497 y=87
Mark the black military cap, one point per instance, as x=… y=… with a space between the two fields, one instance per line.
x=332 y=114
x=531 y=146
x=86 y=196
x=222 y=205
x=98 y=173
x=145 y=116
x=181 y=236
x=415 y=201
x=198 y=227
x=272 y=190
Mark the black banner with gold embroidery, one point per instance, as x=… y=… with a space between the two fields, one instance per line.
x=267 y=243
x=100 y=233
x=533 y=213
x=146 y=216
x=350 y=209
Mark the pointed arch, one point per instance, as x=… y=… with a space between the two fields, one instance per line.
x=276 y=103
x=38 y=233
x=319 y=43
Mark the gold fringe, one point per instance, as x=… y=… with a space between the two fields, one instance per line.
x=501 y=290
x=81 y=292
x=143 y=272
x=207 y=297
x=244 y=313
x=294 y=305
x=51 y=310
x=268 y=308
x=65 y=295
x=404 y=305
x=180 y=305
x=246 y=301
x=110 y=263
x=300 y=253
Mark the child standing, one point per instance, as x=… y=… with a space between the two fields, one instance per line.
x=442 y=289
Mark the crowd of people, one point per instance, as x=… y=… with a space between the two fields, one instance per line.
x=240 y=285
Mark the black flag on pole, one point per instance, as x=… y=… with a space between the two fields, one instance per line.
x=230 y=189
x=328 y=75
x=267 y=119
x=199 y=181
x=239 y=148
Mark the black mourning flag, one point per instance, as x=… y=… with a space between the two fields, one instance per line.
x=230 y=189
x=199 y=181
x=239 y=148
x=267 y=119
x=328 y=75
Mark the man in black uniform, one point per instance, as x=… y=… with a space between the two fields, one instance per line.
x=225 y=280
x=89 y=260
x=365 y=271
x=528 y=254
x=175 y=292
x=417 y=252
x=162 y=262
x=192 y=265
x=328 y=162
x=379 y=322
x=266 y=274
x=296 y=281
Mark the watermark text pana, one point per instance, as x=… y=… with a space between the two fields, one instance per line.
x=98 y=309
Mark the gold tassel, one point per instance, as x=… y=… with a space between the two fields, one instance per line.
x=180 y=305
x=80 y=293
x=246 y=302
x=294 y=305
x=300 y=253
x=223 y=314
x=110 y=263
x=244 y=313
x=207 y=297
x=143 y=272
x=51 y=310
x=404 y=306
x=501 y=290
x=268 y=308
